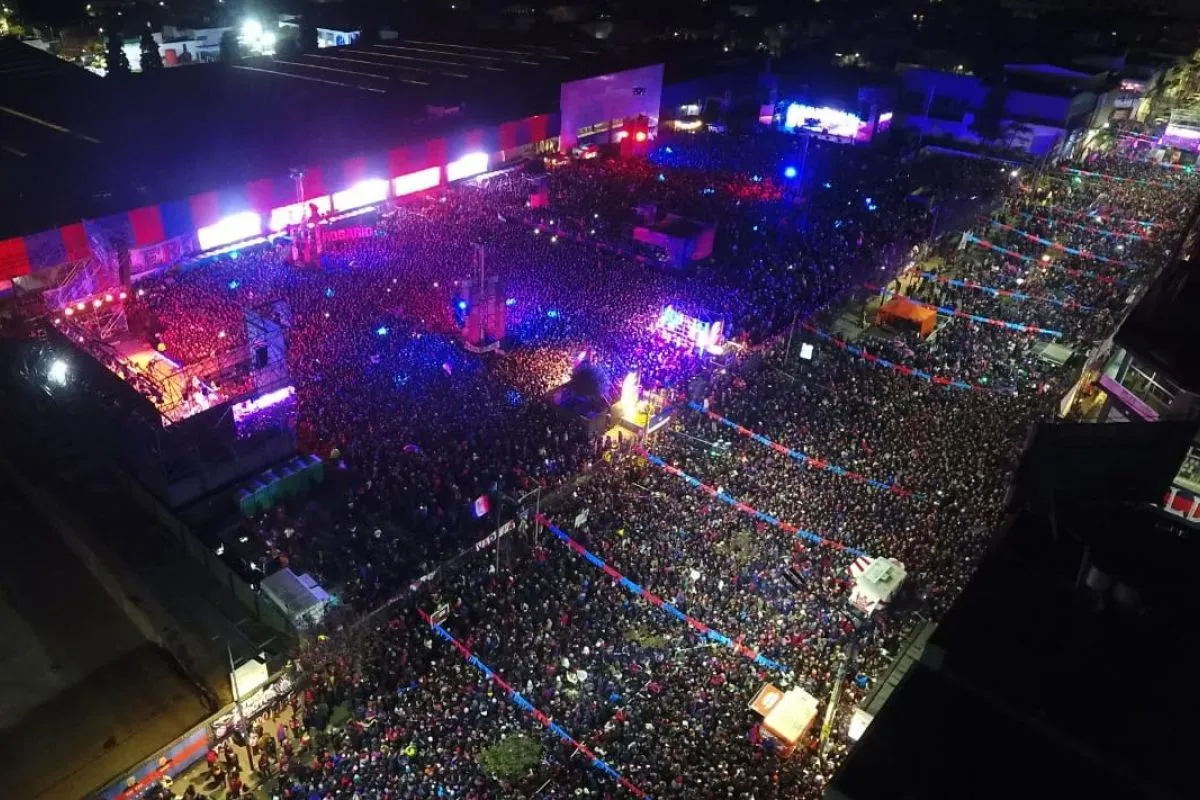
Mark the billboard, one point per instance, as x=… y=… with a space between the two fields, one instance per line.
x=616 y=96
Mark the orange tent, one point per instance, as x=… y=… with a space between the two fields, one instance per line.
x=902 y=312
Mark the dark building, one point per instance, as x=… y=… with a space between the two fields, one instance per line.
x=1061 y=670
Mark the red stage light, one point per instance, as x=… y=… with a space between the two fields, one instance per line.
x=640 y=136
x=68 y=311
x=80 y=306
x=108 y=298
x=96 y=303
x=122 y=295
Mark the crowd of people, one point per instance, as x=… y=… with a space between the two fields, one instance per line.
x=421 y=428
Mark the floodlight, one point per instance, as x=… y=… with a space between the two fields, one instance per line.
x=58 y=372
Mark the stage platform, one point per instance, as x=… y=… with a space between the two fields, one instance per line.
x=182 y=396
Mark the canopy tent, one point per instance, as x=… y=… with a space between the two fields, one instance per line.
x=902 y=312
x=299 y=597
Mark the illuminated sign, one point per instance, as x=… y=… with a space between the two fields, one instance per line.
x=824 y=119
x=416 y=181
x=234 y=228
x=296 y=213
x=363 y=193
x=467 y=166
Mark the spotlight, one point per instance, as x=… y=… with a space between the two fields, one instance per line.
x=97 y=303
x=68 y=311
x=108 y=298
x=789 y=172
x=58 y=372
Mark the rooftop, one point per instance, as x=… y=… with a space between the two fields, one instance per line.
x=1163 y=327
x=75 y=145
x=1049 y=675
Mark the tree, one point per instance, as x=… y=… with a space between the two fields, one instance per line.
x=114 y=55
x=230 y=51
x=511 y=758
x=308 y=37
x=988 y=122
x=151 y=57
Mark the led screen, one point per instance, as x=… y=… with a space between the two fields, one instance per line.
x=416 y=181
x=363 y=193
x=837 y=123
x=234 y=228
x=465 y=167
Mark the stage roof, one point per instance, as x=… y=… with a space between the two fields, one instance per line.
x=75 y=145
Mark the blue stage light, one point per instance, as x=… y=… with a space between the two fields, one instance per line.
x=381 y=331
x=552 y=314
x=462 y=305
x=512 y=301
x=789 y=172
x=233 y=284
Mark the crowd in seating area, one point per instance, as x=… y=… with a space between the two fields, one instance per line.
x=873 y=460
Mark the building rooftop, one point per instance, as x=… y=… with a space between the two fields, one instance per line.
x=1051 y=673
x=75 y=145
x=1163 y=327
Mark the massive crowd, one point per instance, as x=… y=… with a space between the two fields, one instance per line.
x=422 y=428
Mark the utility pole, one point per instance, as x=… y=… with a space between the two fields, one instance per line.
x=788 y=352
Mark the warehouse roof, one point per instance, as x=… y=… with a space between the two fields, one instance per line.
x=75 y=145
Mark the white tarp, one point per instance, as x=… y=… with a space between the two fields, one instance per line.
x=876 y=581
x=297 y=596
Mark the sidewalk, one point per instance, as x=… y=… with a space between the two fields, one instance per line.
x=197 y=775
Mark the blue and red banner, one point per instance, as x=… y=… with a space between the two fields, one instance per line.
x=950 y=311
x=1057 y=246
x=656 y=601
x=1089 y=228
x=803 y=458
x=861 y=352
x=746 y=508
x=529 y=708
x=1075 y=273
x=964 y=284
